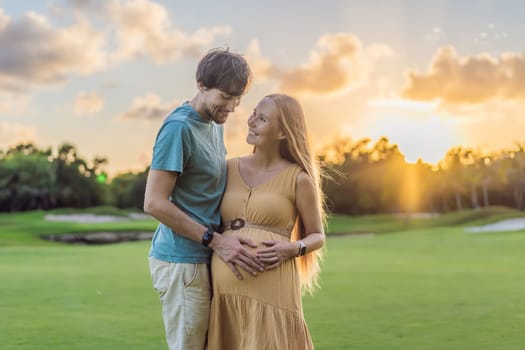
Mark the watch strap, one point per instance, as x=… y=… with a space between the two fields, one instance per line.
x=207 y=237
x=302 y=248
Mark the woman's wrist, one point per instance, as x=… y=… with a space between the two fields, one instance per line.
x=301 y=250
x=294 y=248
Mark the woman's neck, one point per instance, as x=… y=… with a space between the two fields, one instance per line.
x=266 y=160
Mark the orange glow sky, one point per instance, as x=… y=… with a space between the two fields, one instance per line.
x=103 y=74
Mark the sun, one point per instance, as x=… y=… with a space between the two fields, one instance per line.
x=417 y=128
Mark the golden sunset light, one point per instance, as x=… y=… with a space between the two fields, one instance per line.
x=416 y=127
x=119 y=67
x=256 y=175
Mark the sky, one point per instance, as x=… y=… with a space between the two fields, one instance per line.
x=103 y=74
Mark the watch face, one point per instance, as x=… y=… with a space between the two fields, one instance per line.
x=302 y=248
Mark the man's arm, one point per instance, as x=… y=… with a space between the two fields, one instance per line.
x=159 y=186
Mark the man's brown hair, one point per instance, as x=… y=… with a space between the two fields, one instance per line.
x=224 y=70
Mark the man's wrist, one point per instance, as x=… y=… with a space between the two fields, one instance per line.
x=207 y=237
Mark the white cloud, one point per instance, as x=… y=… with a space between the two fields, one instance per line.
x=144 y=28
x=468 y=80
x=149 y=107
x=261 y=66
x=36 y=53
x=4 y=20
x=88 y=103
x=337 y=64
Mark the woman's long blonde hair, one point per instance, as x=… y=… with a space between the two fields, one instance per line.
x=296 y=149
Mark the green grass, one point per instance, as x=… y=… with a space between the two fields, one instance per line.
x=427 y=289
x=423 y=289
x=78 y=297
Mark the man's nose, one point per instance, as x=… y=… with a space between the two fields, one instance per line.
x=232 y=104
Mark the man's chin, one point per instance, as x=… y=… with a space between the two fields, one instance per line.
x=221 y=119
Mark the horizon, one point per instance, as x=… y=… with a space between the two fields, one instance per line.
x=318 y=151
x=427 y=78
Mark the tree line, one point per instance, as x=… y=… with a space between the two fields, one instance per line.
x=33 y=178
x=360 y=178
x=364 y=178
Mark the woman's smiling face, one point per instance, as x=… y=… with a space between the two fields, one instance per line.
x=264 y=128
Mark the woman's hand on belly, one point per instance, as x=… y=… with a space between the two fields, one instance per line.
x=276 y=252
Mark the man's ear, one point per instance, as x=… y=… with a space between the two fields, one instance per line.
x=201 y=87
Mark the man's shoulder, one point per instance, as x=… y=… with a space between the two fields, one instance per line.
x=179 y=114
x=179 y=119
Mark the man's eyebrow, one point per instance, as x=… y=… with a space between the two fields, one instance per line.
x=227 y=95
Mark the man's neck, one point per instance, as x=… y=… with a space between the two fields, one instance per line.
x=197 y=104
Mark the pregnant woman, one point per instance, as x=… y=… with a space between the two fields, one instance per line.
x=272 y=197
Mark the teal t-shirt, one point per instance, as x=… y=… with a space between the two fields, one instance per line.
x=194 y=148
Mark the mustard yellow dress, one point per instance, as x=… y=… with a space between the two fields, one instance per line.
x=263 y=312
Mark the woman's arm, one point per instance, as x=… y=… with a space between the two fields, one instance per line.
x=307 y=204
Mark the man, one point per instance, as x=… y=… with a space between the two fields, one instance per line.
x=183 y=192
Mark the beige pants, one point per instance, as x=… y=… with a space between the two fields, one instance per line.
x=185 y=292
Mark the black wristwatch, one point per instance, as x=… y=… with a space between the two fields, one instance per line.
x=207 y=237
x=302 y=248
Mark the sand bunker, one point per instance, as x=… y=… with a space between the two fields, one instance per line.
x=517 y=224
x=94 y=219
x=97 y=237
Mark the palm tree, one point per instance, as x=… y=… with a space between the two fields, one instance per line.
x=455 y=173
